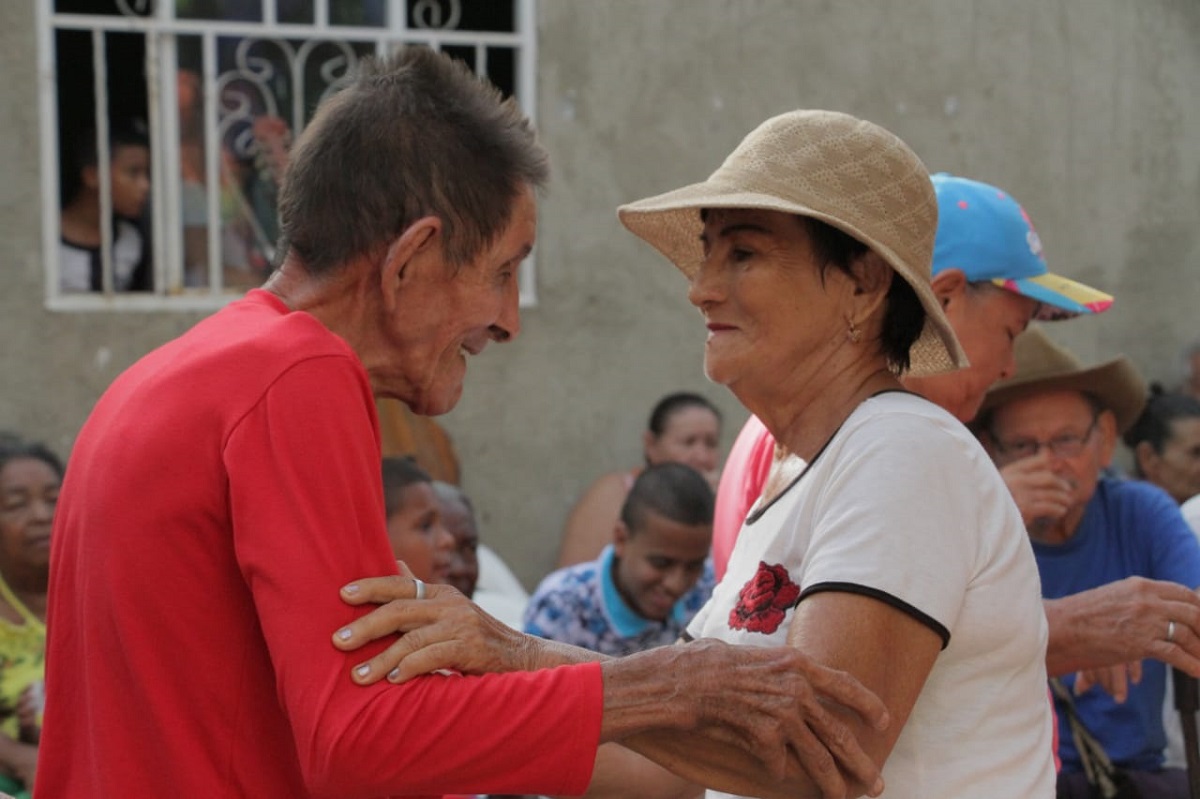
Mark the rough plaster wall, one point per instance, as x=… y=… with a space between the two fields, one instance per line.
x=55 y=364
x=1086 y=110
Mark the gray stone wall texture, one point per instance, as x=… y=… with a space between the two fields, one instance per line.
x=1088 y=111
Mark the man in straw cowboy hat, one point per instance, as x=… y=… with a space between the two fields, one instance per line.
x=1066 y=417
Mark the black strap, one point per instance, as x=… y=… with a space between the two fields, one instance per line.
x=1187 y=702
x=1096 y=763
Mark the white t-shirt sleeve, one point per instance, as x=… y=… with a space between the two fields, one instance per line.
x=889 y=522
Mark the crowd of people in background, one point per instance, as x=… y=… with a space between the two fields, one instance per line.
x=898 y=395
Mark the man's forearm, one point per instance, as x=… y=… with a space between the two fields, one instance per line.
x=1121 y=622
x=1069 y=648
x=746 y=720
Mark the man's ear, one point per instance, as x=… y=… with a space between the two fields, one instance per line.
x=90 y=177
x=1107 y=430
x=405 y=255
x=985 y=438
x=948 y=285
x=620 y=538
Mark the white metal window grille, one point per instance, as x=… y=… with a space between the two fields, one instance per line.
x=220 y=88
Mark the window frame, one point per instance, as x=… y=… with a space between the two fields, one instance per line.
x=161 y=30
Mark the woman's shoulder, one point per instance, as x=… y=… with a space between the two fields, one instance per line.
x=611 y=484
x=901 y=414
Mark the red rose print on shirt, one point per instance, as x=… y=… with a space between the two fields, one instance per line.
x=764 y=600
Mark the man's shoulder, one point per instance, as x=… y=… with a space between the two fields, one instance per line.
x=1136 y=497
x=255 y=337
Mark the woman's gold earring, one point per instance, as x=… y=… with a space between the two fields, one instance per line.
x=853 y=334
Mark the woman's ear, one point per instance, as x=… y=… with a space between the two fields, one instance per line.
x=1147 y=460
x=649 y=445
x=872 y=277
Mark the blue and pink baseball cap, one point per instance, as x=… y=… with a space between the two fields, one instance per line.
x=986 y=233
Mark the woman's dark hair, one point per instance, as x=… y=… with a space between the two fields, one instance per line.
x=674 y=491
x=416 y=134
x=1155 y=423
x=904 y=318
x=671 y=404
x=400 y=472
x=13 y=447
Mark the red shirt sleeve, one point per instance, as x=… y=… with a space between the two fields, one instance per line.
x=307 y=510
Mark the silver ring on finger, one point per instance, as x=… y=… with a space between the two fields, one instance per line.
x=1170 y=631
x=421 y=595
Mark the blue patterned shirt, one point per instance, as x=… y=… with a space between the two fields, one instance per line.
x=580 y=605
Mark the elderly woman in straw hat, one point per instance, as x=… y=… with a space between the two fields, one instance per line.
x=897 y=554
x=1064 y=417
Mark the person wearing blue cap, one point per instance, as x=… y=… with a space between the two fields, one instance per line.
x=990 y=273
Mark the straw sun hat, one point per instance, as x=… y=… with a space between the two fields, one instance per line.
x=1044 y=366
x=844 y=171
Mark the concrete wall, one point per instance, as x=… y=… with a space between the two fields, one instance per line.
x=1088 y=111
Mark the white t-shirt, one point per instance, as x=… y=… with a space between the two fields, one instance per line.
x=904 y=505
x=1191 y=512
x=77 y=262
x=498 y=591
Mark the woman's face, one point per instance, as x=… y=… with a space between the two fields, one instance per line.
x=28 y=495
x=1177 y=468
x=691 y=436
x=769 y=313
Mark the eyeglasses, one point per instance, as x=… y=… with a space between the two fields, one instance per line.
x=1065 y=446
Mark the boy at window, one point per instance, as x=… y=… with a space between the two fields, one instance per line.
x=81 y=265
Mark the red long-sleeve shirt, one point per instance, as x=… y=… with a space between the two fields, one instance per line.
x=221 y=492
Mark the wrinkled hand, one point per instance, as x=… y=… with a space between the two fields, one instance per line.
x=1125 y=621
x=445 y=630
x=773 y=704
x=1037 y=490
x=1115 y=680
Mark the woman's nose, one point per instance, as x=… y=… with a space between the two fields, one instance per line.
x=705 y=286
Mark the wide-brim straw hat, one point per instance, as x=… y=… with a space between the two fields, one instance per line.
x=849 y=173
x=1044 y=366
